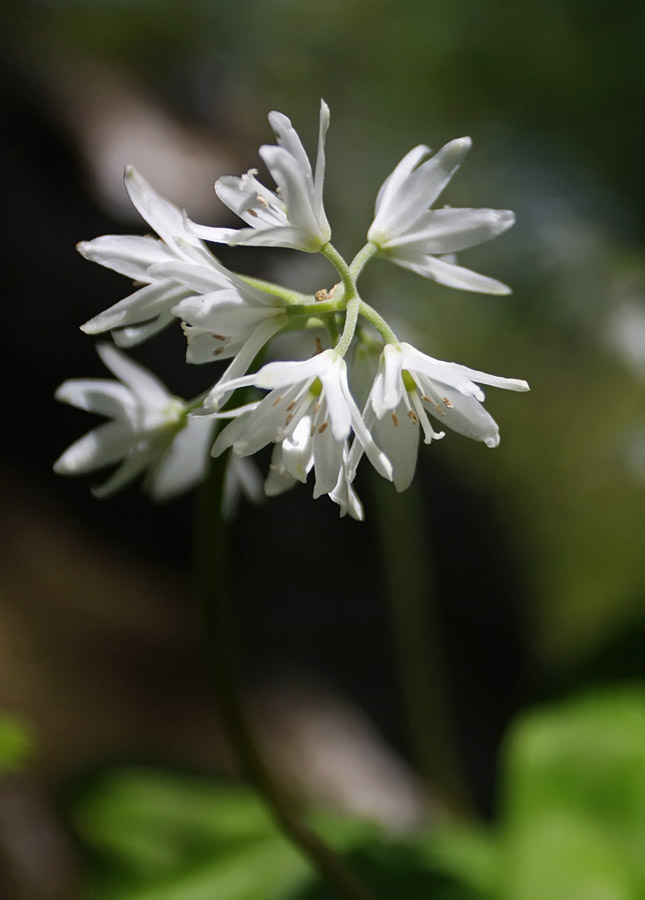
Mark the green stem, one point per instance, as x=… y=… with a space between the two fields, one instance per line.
x=337 y=261
x=361 y=259
x=213 y=589
x=413 y=593
x=351 y=318
x=369 y=313
x=276 y=290
x=315 y=309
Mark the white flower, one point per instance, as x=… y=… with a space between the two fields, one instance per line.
x=148 y=309
x=292 y=216
x=409 y=385
x=416 y=237
x=224 y=317
x=293 y=459
x=149 y=429
x=310 y=412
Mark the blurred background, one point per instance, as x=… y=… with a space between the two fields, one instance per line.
x=521 y=572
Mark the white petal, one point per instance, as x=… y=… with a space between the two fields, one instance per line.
x=378 y=459
x=146 y=386
x=467 y=416
x=418 y=191
x=167 y=219
x=450 y=230
x=199 y=278
x=347 y=499
x=287 y=137
x=184 y=463
x=250 y=349
x=297 y=193
x=127 y=254
x=144 y=304
x=129 y=469
x=387 y=194
x=336 y=391
x=449 y=274
x=103 y=446
x=400 y=442
x=328 y=461
x=101 y=396
x=132 y=335
x=319 y=176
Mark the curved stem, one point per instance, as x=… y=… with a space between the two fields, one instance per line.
x=351 y=318
x=361 y=259
x=337 y=261
x=275 y=290
x=211 y=571
x=369 y=313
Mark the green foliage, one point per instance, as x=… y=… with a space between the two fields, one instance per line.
x=572 y=827
x=16 y=743
x=574 y=816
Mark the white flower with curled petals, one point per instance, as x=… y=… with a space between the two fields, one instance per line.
x=149 y=430
x=293 y=215
x=421 y=239
x=409 y=385
x=310 y=412
x=148 y=309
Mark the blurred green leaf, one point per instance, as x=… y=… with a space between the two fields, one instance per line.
x=174 y=837
x=17 y=742
x=574 y=812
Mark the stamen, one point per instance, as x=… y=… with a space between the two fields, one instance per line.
x=322 y=427
x=288 y=419
x=262 y=201
x=217 y=351
x=319 y=348
x=291 y=406
x=253 y=213
x=218 y=337
x=277 y=400
x=413 y=417
x=321 y=295
x=395 y=420
x=447 y=402
x=313 y=431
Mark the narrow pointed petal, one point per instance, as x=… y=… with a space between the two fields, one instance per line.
x=146 y=386
x=126 y=254
x=452 y=275
x=96 y=395
x=296 y=191
x=419 y=190
x=441 y=231
x=252 y=346
x=167 y=219
x=103 y=446
x=185 y=462
x=398 y=436
x=319 y=176
x=130 y=468
x=287 y=137
x=328 y=461
x=141 y=306
x=132 y=335
x=386 y=197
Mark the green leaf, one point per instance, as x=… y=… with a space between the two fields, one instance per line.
x=167 y=836
x=574 y=810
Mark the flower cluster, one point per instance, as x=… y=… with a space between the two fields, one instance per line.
x=308 y=413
